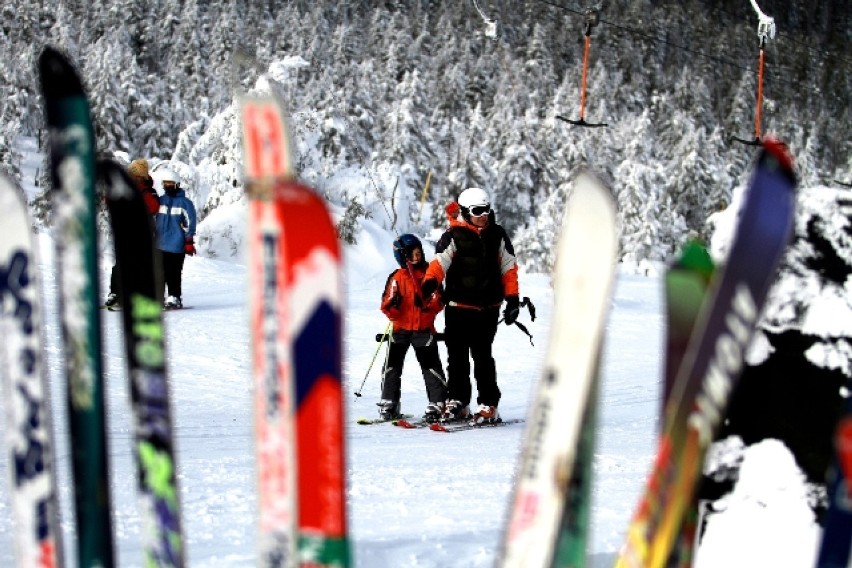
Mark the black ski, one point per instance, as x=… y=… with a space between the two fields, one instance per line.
x=140 y=295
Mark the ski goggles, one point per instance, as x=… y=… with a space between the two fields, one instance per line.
x=480 y=210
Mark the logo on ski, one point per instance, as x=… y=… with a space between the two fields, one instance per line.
x=28 y=453
x=727 y=362
x=269 y=244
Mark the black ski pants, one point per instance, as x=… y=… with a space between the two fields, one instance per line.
x=469 y=333
x=426 y=350
x=172 y=272
x=114 y=284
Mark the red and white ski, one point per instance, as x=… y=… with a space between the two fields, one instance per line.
x=295 y=307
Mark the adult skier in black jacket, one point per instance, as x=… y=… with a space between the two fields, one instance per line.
x=475 y=260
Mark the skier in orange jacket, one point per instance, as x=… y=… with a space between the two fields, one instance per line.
x=413 y=325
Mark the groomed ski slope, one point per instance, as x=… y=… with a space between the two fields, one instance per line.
x=416 y=498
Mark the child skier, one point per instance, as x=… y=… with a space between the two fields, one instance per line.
x=413 y=325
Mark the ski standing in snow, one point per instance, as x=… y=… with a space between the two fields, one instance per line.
x=295 y=303
x=144 y=341
x=72 y=161
x=25 y=391
x=413 y=318
x=476 y=261
x=175 y=222
x=550 y=509
x=714 y=359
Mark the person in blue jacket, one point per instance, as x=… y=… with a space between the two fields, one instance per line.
x=175 y=222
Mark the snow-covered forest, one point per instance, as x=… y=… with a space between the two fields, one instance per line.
x=389 y=92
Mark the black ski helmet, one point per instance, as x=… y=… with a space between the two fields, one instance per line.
x=403 y=247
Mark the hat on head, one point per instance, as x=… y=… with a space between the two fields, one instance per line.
x=138 y=168
x=404 y=246
x=474 y=201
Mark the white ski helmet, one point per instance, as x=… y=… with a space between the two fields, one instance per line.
x=473 y=196
x=474 y=201
x=169 y=175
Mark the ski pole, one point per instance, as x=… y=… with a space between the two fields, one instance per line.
x=373 y=360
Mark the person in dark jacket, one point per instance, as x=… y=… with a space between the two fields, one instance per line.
x=175 y=224
x=476 y=261
x=413 y=325
x=138 y=172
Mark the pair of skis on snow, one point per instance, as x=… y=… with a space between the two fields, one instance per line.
x=406 y=423
x=710 y=330
x=74 y=173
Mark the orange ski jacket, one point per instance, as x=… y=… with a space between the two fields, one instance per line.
x=400 y=302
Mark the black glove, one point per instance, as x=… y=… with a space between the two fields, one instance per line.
x=512 y=309
x=395 y=301
x=429 y=286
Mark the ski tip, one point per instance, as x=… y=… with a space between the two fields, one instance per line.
x=59 y=78
x=779 y=152
x=438 y=427
x=116 y=182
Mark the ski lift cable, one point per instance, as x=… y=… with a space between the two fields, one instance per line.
x=508 y=70
x=646 y=35
x=591 y=16
x=825 y=53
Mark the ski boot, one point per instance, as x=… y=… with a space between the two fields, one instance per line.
x=388 y=410
x=455 y=411
x=434 y=412
x=486 y=415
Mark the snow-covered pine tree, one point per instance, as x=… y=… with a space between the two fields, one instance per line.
x=109 y=60
x=650 y=225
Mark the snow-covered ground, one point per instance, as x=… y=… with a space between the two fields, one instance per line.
x=416 y=498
